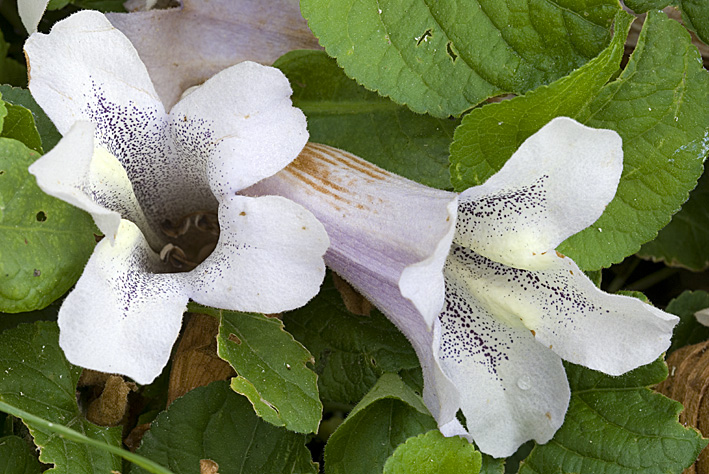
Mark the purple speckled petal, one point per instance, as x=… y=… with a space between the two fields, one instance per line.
x=556 y=184
x=268 y=258
x=86 y=68
x=254 y=130
x=512 y=389
x=123 y=316
x=390 y=236
x=93 y=180
x=566 y=312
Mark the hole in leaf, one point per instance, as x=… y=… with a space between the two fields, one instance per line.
x=451 y=53
x=36 y=272
x=41 y=216
x=373 y=361
x=2 y=172
x=423 y=37
x=234 y=338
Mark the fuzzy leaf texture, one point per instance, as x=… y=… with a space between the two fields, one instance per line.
x=271 y=369
x=443 y=57
x=38 y=379
x=432 y=453
x=617 y=425
x=351 y=351
x=657 y=105
x=215 y=423
x=45 y=242
x=343 y=114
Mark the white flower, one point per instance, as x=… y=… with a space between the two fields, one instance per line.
x=163 y=189
x=31 y=11
x=488 y=304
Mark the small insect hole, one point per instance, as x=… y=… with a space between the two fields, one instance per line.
x=234 y=338
x=451 y=53
x=423 y=37
x=41 y=216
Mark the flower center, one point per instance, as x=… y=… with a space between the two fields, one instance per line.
x=191 y=239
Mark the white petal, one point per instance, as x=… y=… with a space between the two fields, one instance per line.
x=556 y=184
x=122 y=317
x=91 y=179
x=703 y=316
x=254 y=130
x=268 y=258
x=185 y=46
x=389 y=236
x=567 y=313
x=31 y=11
x=512 y=388
x=85 y=69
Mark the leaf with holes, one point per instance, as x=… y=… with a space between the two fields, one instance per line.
x=271 y=368
x=37 y=378
x=444 y=57
x=386 y=417
x=682 y=243
x=432 y=453
x=343 y=114
x=46 y=242
x=617 y=425
x=351 y=351
x=215 y=423
x=47 y=131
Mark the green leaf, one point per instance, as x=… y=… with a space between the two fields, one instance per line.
x=695 y=14
x=688 y=330
x=57 y=4
x=45 y=242
x=682 y=243
x=19 y=124
x=641 y=6
x=47 y=131
x=343 y=114
x=272 y=368
x=658 y=106
x=16 y=457
x=617 y=425
x=386 y=417
x=351 y=351
x=11 y=72
x=446 y=56
x=492 y=465
x=38 y=379
x=215 y=423
x=489 y=135
x=432 y=453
